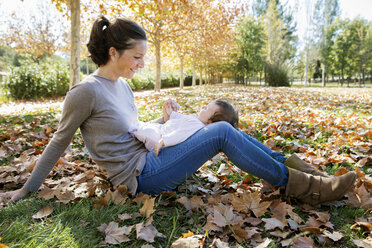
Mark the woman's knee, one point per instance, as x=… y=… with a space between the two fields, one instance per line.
x=220 y=129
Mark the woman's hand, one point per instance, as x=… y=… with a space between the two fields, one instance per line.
x=169 y=106
x=14 y=195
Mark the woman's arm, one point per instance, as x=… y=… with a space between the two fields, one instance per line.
x=77 y=108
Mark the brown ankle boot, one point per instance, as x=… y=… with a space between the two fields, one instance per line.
x=316 y=189
x=296 y=163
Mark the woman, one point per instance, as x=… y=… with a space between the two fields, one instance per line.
x=102 y=106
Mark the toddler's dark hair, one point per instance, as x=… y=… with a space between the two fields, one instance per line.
x=226 y=112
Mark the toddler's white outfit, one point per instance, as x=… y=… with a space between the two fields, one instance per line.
x=177 y=129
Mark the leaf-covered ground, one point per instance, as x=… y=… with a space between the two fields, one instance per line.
x=220 y=206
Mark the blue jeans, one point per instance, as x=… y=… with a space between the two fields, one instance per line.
x=175 y=164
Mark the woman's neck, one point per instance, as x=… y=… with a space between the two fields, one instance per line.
x=106 y=71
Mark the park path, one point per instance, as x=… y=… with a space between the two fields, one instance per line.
x=29 y=107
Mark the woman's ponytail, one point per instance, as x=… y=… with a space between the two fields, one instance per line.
x=97 y=45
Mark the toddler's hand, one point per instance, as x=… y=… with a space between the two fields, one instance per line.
x=158 y=146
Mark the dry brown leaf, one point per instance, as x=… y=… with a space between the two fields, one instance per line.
x=147 y=246
x=251 y=231
x=99 y=203
x=124 y=216
x=115 y=234
x=303 y=242
x=140 y=198
x=217 y=243
x=195 y=241
x=147 y=233
x=264 y=244
x=335 y=236
x=272 y=223
x=364 y=243
x=280 y=234
x=250 y=201
x=312 y=222
x=322 y=216
x=191 y=204
x=64 y=197
x=239 y=233
x=223 y=216
x=312 y=229
x=359 y=197
x=46 y=193
x=44 y=212
x=148 y=207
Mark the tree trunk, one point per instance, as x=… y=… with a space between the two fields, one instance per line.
x=181 y=72
x=75 y=43
x=158 y=66
x=193 y=75
x=323 y=74
x=201 y=76
x=87 y=65
x=206 y=76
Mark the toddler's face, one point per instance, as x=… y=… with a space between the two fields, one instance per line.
x=207 y=112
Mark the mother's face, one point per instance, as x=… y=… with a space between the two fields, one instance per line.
x=126 y=64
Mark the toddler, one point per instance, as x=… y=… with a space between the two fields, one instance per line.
x=178 y=127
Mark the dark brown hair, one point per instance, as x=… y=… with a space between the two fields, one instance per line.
x=119 y=35
x=226 y=112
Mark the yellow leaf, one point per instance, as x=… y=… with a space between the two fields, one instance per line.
x=188 y=234
x=148 y=207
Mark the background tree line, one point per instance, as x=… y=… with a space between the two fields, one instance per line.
x=334 y=49
x=206 y=41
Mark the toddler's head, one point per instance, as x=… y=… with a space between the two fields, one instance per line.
x=219 y=111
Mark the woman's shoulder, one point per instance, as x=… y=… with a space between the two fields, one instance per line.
x=88 y=84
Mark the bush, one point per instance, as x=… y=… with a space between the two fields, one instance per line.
x=146 y=81
x=32 y=80
x=277 y=75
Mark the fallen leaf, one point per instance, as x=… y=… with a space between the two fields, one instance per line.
x=188 y=234
x=223 y=215
x=250 y=201
x=44 y=212
x=148 y=207
x=272 y=223
x=2 y=245
x=195 y=241
x=147 y=233
x=46 y=193
x=367 y=225
x=239 y=233
x=115 y=234
x=124 y=216
x=341 y=171
x=364 y=243
x=335 y=236
x=264 y=244
x=303 y=242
